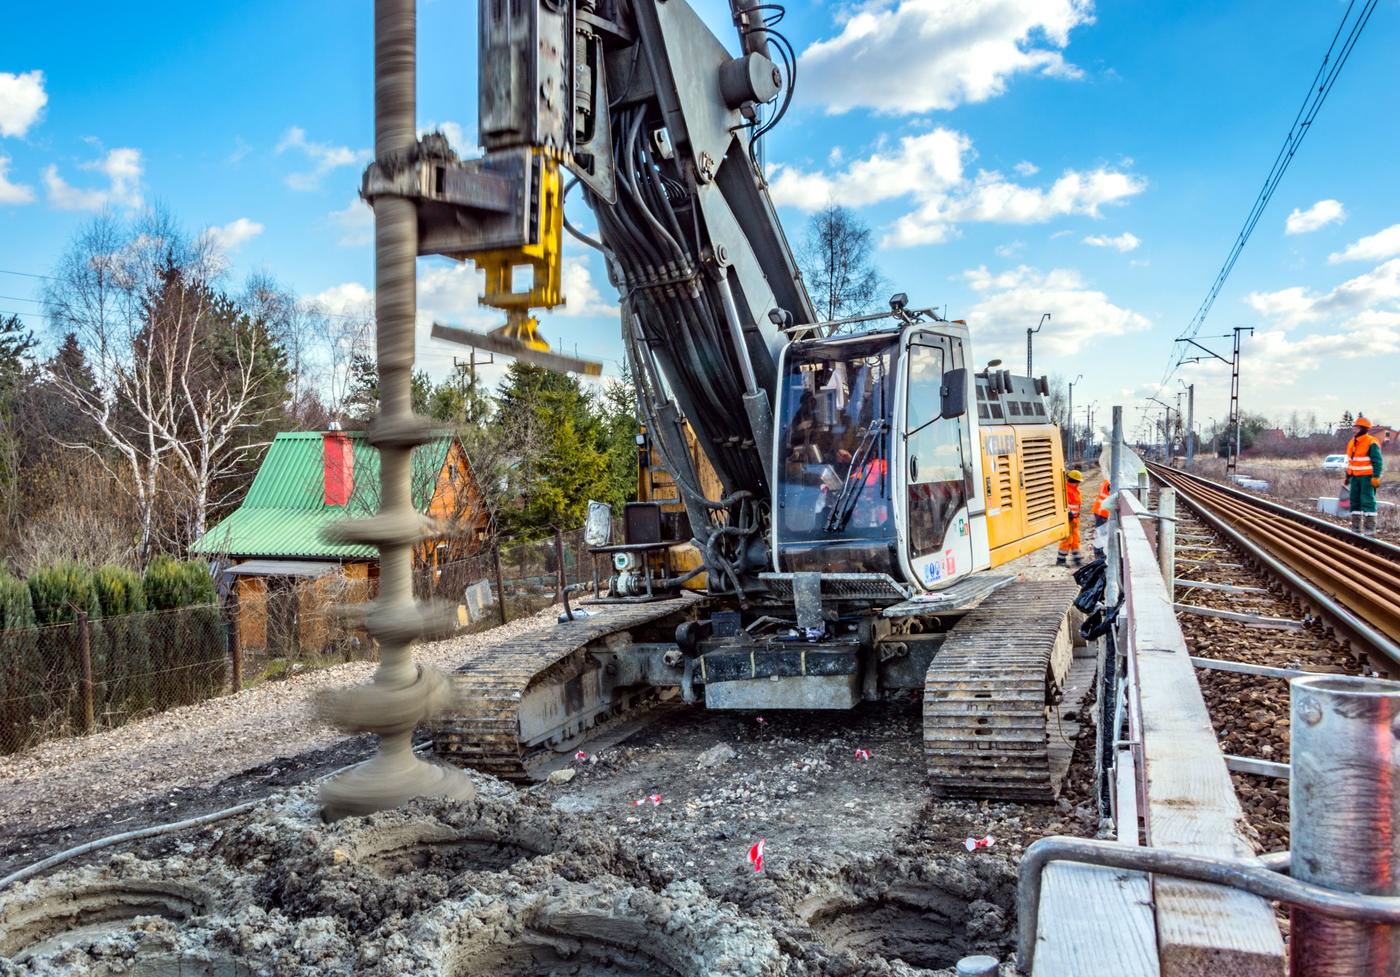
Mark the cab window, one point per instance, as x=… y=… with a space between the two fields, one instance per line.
x=934 y=451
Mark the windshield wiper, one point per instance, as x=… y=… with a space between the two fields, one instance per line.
x=854 y=485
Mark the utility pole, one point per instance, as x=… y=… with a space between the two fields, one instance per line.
x=1232 y=435
x=1166 y=430
x=1190 y=423
x=1234 y=459
x=1029 y=333
x=1070 y=444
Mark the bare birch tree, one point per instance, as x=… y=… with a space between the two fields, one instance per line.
x=836 y=264
x=180 y=372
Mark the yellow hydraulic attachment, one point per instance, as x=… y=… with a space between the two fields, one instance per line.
x=543 y=261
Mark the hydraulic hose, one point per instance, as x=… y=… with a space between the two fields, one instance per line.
x=156 y=830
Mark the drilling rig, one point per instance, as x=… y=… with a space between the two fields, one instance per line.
x=846 y=488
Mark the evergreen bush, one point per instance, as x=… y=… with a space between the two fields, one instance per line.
x=121 y=595
x=59 y=593
x=189 y=647
x=20 y=671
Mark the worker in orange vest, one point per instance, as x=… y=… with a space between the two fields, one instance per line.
x=1363 y=477
x=1101 y=516
x=1073 y=500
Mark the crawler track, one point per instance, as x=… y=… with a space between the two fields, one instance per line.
x=986 y=694
x=1350 y=581
x=547 y=672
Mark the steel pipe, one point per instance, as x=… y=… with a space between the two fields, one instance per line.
x=1344 y=812
x=1255 y=877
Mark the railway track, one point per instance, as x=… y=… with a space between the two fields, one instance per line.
x=1264 y=593
x=1350 y=581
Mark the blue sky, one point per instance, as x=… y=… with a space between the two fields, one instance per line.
x=1012 y=157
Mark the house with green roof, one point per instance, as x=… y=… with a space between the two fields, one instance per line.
x=275 y=542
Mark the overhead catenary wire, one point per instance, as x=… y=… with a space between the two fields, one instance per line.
x=1318 y=90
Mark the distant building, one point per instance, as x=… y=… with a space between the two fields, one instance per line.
x=1270 y=436
x=1385 y=435
x=282 y=566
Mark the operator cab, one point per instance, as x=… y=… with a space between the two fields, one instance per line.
x=875 y=471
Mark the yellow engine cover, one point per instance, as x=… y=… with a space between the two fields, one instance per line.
x=1023 y=468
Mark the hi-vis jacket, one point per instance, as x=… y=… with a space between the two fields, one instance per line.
x=1364 y=457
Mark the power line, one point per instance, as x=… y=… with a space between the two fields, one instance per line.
x=1318 y=91
x=26 y=274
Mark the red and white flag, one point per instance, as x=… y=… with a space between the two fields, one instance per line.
x=862 y=754
x=580 y=756
x=654 y=798
x=756 y=855
x=972 y=844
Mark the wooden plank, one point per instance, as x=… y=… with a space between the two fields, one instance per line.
x=1253 y=620
x=1191 y=804
x=1228 y=588
x=1094 y=922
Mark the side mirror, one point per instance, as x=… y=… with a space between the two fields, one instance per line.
x=954 y=393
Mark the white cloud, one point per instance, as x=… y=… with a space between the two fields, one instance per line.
x=325 y=158
x=348 y=299
x=457 y=138
x=922 y=55
x=1059 y=234
x=1012 y=300
x=13 y=193
x=1374 y=247
x=920 y=164
x=234 y=234
x=356 y=223
x=931 y=169
x=582 y=297
x=22 y=99
x=1377 y=289
x=1318 y=216
x=1127 y=241
x=1010 y=249
x=1308 y=330
x=1026 y=168
x=123 y=169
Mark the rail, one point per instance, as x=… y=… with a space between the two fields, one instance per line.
x=1377 y=546
x=1350 y=581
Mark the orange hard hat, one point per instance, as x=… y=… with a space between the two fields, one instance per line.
x=1362 y=422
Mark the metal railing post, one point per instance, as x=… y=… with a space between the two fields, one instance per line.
x=1166 y=536
x=85 y=670
x=235 y=638
x=500 y=579
x=1344 y=819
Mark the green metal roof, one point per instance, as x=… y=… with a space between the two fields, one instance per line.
x=284 y=512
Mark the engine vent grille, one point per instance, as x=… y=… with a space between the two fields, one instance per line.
x=1038 y=464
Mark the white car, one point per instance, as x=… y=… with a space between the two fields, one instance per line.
x=1334 y=463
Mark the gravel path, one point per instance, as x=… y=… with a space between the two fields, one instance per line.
x=224 y=750
x=69 y=780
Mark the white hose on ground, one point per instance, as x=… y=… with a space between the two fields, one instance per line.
x=29 y=871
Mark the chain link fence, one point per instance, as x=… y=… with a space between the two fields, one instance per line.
x=75 y=678
x=92 y=673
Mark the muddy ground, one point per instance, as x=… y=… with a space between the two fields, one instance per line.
x=863 y=874
x=636 y=865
